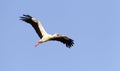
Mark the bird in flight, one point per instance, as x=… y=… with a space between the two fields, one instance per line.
x=44 y=36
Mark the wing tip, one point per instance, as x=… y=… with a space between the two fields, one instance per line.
x=25 y=18
x=70 y=43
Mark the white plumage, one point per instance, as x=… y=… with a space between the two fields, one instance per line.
x=44 y=36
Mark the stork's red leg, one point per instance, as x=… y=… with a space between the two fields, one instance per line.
x=37 y=44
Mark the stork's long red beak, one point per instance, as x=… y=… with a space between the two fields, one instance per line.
x=59 y=35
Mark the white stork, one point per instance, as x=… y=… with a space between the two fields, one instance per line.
x=44 y=36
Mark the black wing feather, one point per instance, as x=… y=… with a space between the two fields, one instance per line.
x=28 y=19
x=65 y=40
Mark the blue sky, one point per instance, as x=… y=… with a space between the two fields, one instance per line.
x=93 y=24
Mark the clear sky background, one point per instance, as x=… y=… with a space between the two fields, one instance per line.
x=93 y=24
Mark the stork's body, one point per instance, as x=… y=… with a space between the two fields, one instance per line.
x=44 y=36
x=44 y=39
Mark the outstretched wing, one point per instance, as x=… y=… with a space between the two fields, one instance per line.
x=35 y=24
x=65 y=40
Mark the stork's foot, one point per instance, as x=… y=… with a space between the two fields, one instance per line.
x=37 y=44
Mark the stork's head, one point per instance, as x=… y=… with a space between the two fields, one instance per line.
x=57 y=35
